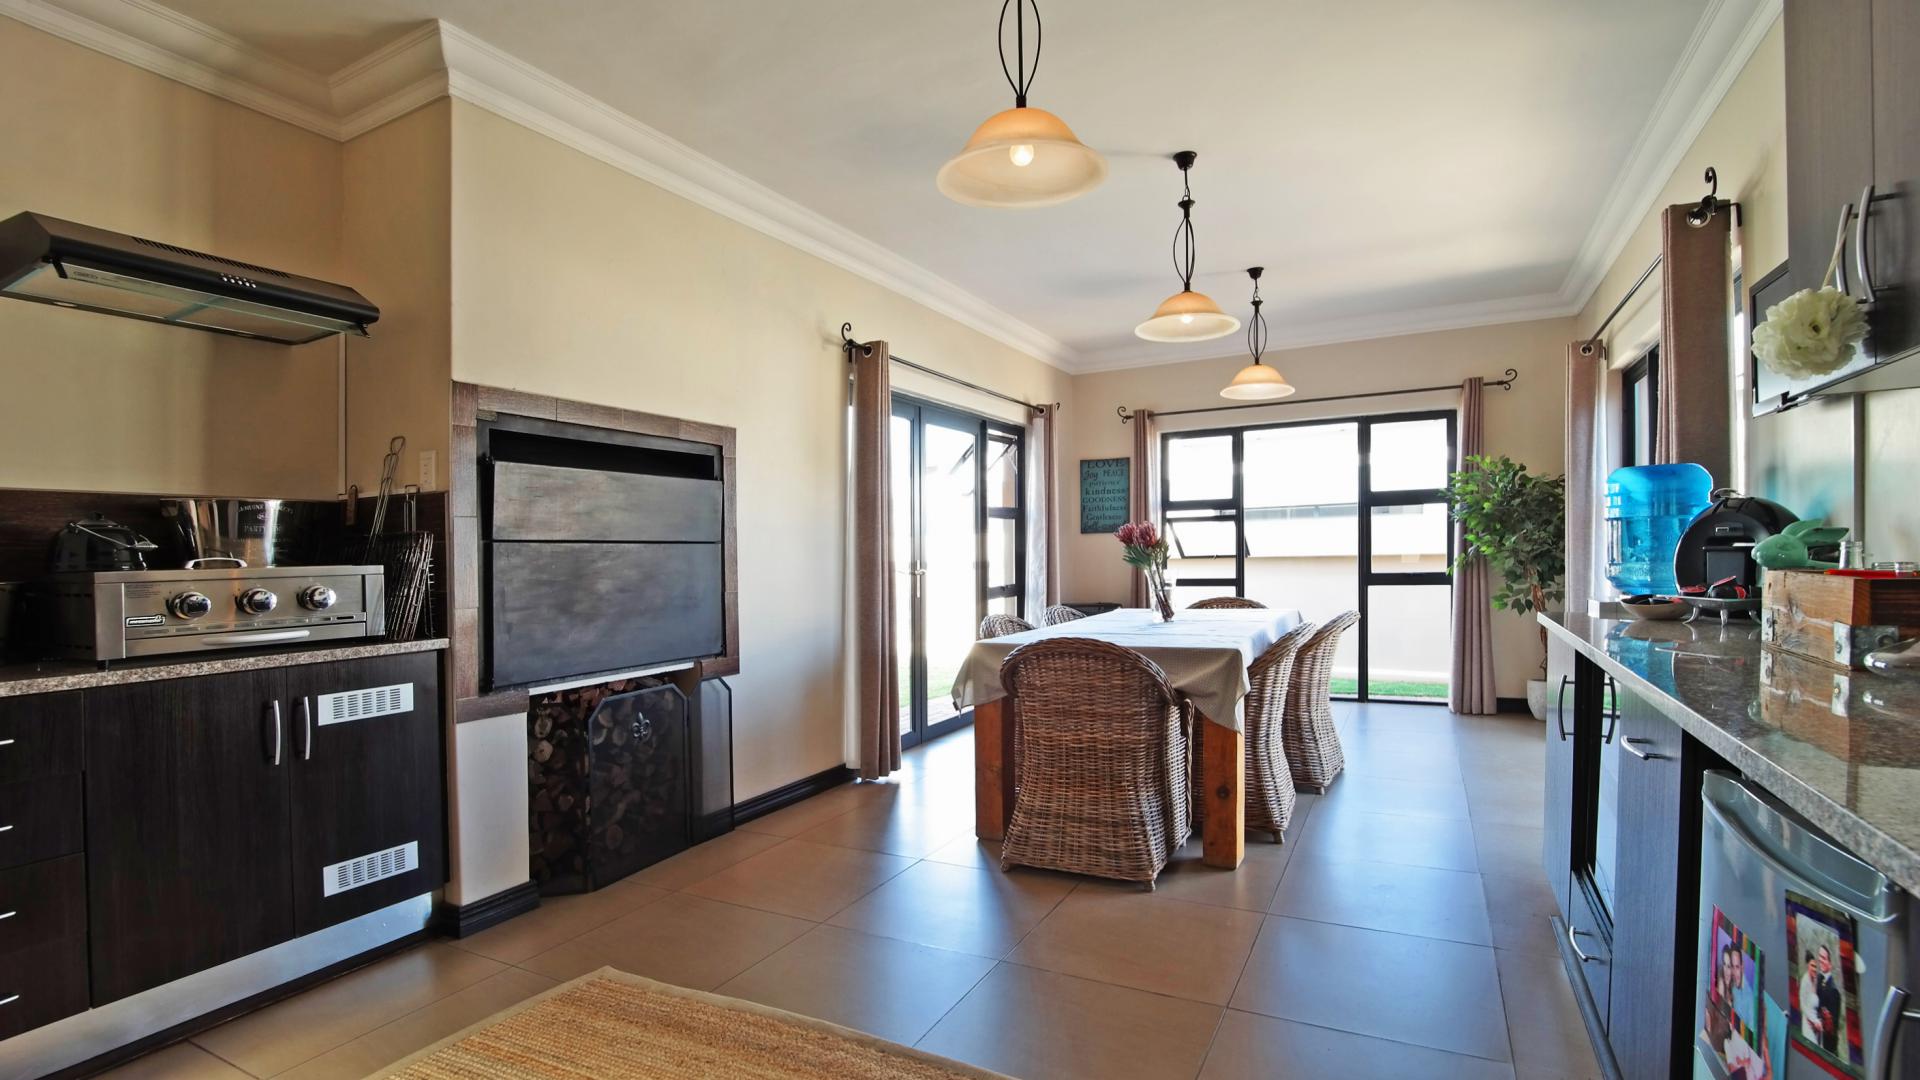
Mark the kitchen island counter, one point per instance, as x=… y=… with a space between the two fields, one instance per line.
x=1841 y=748
x=52 y=676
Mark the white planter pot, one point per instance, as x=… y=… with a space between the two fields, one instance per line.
x=1537 y=698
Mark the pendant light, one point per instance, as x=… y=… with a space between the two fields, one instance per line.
x=1257 y=381
x=1186 y=315
x=1023 y=156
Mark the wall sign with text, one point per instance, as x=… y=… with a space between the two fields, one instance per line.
x=1103 y=494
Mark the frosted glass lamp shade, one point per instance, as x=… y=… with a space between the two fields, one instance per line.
x=1257 y=382
x=1187 y=316
x=1022 y=157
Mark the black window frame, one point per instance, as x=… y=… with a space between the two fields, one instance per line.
x=1366 y=500
x=1646 y=370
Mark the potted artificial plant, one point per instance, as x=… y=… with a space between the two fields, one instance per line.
x=1517 y=522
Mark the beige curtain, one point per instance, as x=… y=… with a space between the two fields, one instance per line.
x=1470 y=690
x=1143 y=490
x=1694 y=377
x=1043 y=515
x=876 y=693
x=1583 y=386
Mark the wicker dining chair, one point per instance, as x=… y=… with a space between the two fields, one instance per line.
x=1312 y=745
x=1101 y=770
x=998 y=625
x=1224 y=602
x=1270 y=791
x=1060 y=613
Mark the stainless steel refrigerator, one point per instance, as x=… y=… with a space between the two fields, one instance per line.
x=1802 y=947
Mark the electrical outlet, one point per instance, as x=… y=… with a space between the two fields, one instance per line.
x=429 y=469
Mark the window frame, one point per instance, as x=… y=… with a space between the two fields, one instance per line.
x=1365 y=501
x=1644 y=369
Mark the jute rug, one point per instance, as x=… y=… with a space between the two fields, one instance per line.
x=622 y=1027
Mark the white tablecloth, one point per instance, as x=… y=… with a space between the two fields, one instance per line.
x=1204 y=653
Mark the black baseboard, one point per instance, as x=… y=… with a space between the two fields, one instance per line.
x=1512 y=704
x=787 y=794
x=469 y=919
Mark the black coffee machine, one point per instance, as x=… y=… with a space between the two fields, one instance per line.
x=1716 y=550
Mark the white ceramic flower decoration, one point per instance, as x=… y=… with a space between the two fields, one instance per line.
x=1812 y=332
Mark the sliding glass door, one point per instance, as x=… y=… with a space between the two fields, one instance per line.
x=1324 y=516
x=959 y=543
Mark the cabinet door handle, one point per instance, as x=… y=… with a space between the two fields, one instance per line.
x=1839 y=245
x=6 y=742
x=8 y=914
x=9 y=1000
x=306 y=729
x=1893 y=1011
x=1632 y=746
x=1861 y=263
x=1560 y=707
x=273 y=756
x=1573 y=943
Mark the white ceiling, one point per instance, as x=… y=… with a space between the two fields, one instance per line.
x=1395 y=165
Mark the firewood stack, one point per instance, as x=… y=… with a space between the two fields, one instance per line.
x=608 y=777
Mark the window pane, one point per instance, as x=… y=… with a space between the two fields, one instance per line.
x=1410 y=539
x=1643 y=419
x=1199 y=535
x=901 y=480
x=1003 y=549
x=1409 y=641
x=1003 y=470
x=1199 y=468
x=1410 y=455
x=1302 y=488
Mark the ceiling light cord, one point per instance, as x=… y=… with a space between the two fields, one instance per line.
x=1185 y=248
x=1023 y=81
x=1256 y=326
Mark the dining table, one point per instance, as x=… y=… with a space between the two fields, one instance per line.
x=1204 y=653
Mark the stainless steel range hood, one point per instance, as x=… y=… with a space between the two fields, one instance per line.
x=50 y=261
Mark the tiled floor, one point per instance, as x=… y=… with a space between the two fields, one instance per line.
x=1400 y=931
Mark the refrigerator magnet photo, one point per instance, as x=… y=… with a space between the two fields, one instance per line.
x=1823 y=986
x=1735 y=1028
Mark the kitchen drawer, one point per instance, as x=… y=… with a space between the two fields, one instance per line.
x=1593 y=944
x=40 y=903
x=42 y=984
x=39 y=819
x=39 y=736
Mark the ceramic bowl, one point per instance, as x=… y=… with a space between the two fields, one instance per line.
x=1665 y=607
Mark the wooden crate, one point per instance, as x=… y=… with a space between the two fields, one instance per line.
x=1836 y=619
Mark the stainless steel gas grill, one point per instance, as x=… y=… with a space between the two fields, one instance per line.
x=111 y=615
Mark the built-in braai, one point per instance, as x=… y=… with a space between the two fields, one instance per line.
x=601 y=550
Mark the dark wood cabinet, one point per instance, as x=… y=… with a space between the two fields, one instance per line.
x=1893 y=233
x=1829 y=125
x=1556 y=854
x=43 y=943
x=187 y=814
x=368 y=820
x=39 y=736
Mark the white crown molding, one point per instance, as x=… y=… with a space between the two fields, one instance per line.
x=1337 y=331
x=1726 y=37
x=440 y=60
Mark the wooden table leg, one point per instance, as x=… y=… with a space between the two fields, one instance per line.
x=1223 y=767
x=992 y=770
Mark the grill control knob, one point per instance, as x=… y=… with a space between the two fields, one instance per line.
x=257 y=601
x=317 y=598
x=189 y=605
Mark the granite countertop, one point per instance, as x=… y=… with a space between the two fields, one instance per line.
x=1842 y=748
x=48 y=676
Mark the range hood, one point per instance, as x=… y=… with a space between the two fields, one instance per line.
x=50 y=261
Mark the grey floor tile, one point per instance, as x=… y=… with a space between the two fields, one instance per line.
x=1438 y=994
x=1359 y=836
x=894 y=989
x=1419 y=900
x=1254 y=1047
x=1549 y=1039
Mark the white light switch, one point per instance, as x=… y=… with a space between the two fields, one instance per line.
x=429 y=467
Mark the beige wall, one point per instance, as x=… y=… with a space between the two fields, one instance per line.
x=397 y=243
x=94 y=402
x=574 y=279
x=1524 y=423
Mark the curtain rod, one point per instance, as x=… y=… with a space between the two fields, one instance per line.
x=1697 y=218
x=1512 y=376
x=847 y=345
